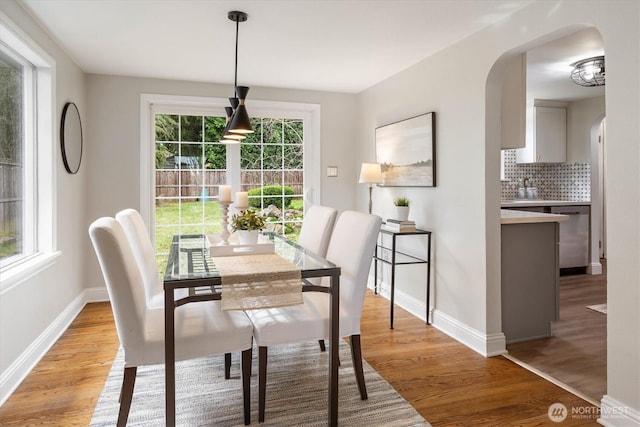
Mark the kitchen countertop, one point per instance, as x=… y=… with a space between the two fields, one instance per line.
x=540 y=202
x=508 y=216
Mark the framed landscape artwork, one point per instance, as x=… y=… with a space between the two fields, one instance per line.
x=407 y=152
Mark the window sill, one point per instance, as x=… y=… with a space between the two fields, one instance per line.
x=16 y=274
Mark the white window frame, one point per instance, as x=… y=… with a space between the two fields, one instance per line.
x=40 y=154
x=151 y=104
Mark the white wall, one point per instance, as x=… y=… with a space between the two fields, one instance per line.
x=463 y=211
x=33 y=312
x=113 y=156
x=581 y=116
x=459 y=256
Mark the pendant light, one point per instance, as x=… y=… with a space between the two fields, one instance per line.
x=239 y=124
x=228 y=138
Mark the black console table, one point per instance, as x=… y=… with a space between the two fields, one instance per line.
x=391 y=256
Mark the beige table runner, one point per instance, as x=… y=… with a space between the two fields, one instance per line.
x=258 y=281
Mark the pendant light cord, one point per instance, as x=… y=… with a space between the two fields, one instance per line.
x=235 y=81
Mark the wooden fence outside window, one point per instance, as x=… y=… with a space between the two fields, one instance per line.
x=190 y=183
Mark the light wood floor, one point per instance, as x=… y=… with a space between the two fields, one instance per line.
x=449 y=384
x=576 y=354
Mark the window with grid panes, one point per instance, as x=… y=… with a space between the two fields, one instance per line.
x=27 y=162
x=190 y=165
x=272 y=172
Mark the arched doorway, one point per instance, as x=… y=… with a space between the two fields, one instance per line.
x=582 y=113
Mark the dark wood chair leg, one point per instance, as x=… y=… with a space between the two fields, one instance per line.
x=251 y=364
x=262 y=381
x=356 y=357
x=246 y=385
x=227 y=366
x=323 y=348
x=126 y=393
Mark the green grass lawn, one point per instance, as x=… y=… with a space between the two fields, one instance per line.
x=8 y=240
x=195 y=218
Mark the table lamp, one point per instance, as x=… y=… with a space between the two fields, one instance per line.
x=370 y=173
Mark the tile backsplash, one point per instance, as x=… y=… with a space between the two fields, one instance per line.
x=554 y=181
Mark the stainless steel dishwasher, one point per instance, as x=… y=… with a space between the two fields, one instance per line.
x=574 y=236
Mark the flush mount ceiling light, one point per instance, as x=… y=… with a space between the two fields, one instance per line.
x=589 y=72
x=238 y=124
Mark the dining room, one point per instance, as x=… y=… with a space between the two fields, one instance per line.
x=59 y=283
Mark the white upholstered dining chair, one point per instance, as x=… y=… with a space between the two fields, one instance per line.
x=351 y=247
x=317 y=226
x=201 y=328
x=315 y=234
x=144 y=253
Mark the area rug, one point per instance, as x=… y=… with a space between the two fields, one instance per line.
x=296 y=393
x=600 y=308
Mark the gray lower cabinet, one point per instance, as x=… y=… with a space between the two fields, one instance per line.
x=530 y=280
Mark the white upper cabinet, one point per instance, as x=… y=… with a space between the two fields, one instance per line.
x=513 y=103
x=546 y=136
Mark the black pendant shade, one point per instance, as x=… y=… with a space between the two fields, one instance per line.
x=240 y=123
x=226 y=134
x=225 y=137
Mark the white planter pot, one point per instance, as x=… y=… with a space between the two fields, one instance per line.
x=248 y=237
x=402 y=213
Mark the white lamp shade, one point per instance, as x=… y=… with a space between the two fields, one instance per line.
x=371 y=173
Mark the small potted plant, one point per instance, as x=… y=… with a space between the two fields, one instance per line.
x=248 y=224
x=402 y=208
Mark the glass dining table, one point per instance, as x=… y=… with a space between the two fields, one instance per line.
x=191 y=268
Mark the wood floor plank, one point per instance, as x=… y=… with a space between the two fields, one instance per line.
x=452 y=385
x=576 y=354
x=63 y=389
x=449 y=384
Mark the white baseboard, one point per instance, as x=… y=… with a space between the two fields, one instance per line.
x=97 y=294
x=487 y=345
x=616 y=414
x=594 y=268
x=407 y=302
x=13 y=376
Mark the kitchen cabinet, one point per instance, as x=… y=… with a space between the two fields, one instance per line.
x=574 y=232
x=546 y=136
x=530 y=278
x=513 y=103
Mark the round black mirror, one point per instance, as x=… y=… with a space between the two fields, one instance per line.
x=71 y=137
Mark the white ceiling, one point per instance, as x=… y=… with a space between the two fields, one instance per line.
x=549 y=67
x=329 y=45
